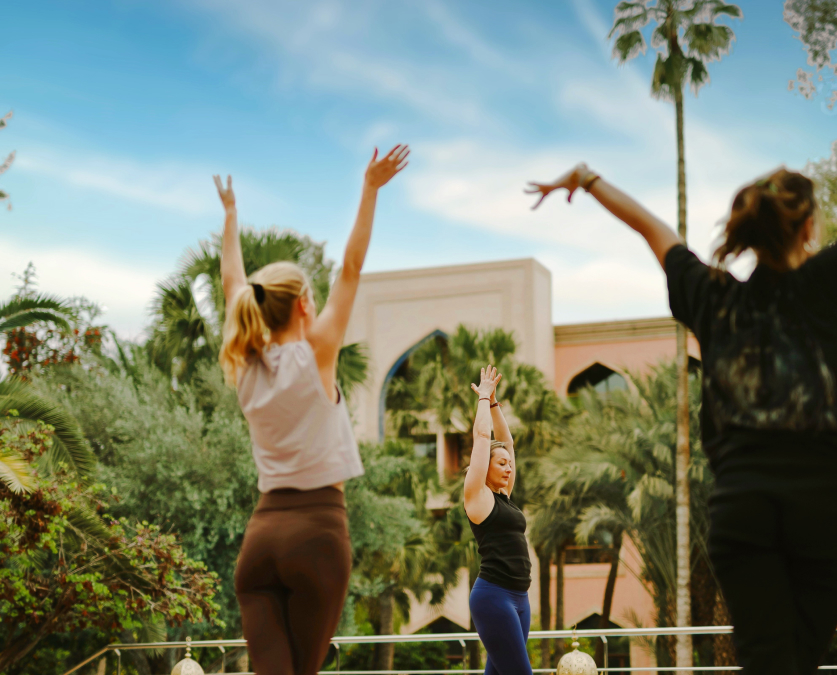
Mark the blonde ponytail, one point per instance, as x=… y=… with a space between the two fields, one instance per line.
x=248 y=326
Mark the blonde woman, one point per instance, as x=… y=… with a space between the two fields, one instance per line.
x=293 y=570
x=499 y=600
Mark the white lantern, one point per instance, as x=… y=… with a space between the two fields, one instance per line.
x=187 y=666
x=576 y=662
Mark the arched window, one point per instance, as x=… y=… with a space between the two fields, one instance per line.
x=393 y=393
x=601 y=378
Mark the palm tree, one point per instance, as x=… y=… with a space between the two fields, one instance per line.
x=686 y=38
x=18 y=401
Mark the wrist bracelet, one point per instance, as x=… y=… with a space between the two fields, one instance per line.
x=484 y=399
x=494 y=405
x=589 y=178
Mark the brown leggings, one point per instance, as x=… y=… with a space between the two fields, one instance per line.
x=292 y=577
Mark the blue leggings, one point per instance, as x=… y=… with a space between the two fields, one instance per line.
x=502 y=620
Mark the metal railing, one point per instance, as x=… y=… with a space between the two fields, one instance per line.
x=461 y=638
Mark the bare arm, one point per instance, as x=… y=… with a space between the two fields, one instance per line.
x=660 y=237
x=478 y=498
x=233 y=277
x=502 y=433
x=326 y=335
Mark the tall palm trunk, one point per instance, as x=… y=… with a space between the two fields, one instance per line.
x=545 y=578
x=560 y=557
x=684 y=609
x=722 y=644
x=385 y=652
x=704 y=594
x=473 y=645
x=610 y=587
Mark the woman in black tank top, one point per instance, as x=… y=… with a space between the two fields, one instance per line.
x=499 y=600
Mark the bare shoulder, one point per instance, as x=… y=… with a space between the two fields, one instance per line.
x=479 y=507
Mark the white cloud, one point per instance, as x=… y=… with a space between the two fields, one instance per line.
x=606 y=288
x=126 y=290
x=168 y=185
x=348 y=47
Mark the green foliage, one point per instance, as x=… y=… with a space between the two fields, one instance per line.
x=67 y=565
x=824 y=175
x=614 y=473
x=392 y=547
x=815 y=22
x=408 y=656
x=179 y=459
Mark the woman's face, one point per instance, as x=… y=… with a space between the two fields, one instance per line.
x=499 y=470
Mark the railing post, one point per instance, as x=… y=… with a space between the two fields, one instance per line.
x=118 y=661
x=337 y=647
x=223 y=658
x=464 y=654
x=604 y=639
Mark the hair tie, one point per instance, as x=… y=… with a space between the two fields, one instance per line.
x=258 y=289
x=767 y=183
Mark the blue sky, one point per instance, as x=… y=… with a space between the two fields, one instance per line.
x=124 y=110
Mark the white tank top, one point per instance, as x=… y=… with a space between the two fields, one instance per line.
x=300 y=438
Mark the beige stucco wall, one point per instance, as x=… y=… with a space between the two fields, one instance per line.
x=396 y=310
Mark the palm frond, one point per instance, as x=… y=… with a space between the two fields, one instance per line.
x=708 y=41
x=69 y=445
x=15 y=473
x=20 y=312
x=352 y=367
x=629 y=45
x=697 y=73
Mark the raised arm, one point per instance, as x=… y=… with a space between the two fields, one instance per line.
x=326 y=335
x=660 y=237
x=478 y=498
x=502 y=433
x=233 y=277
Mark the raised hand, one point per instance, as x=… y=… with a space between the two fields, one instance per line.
x=380 y=171
x=226 y=194
x=488 y=382
x=570 y=181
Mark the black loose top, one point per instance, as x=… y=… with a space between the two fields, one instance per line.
x=501 y=541
x=768 y=347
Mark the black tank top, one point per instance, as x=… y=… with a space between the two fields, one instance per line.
x=504 y=551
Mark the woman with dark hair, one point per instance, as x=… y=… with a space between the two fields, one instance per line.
x=499 y=600
x=769 y=414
